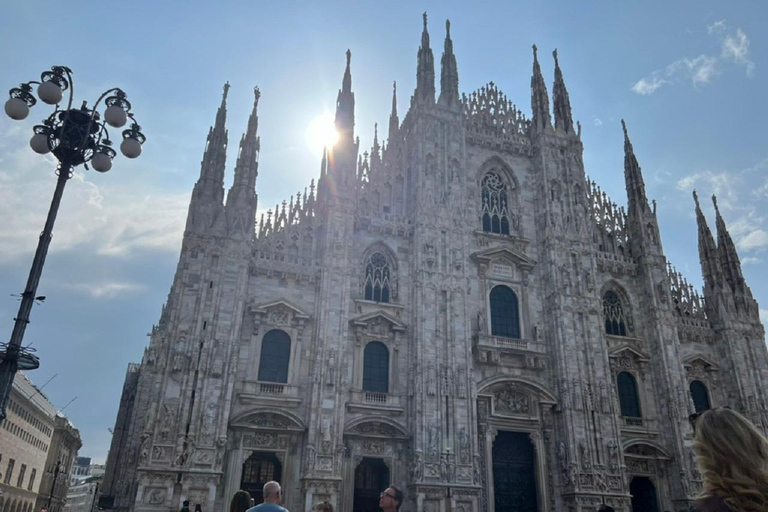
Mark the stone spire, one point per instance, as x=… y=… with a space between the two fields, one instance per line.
x=711 y=269
x=729 y=258
x=394 y=121
x=562 y=104
x=425 y=71
x=208 y=194
x=539 y=98
x=449 y=72
x=375 y=150
x=246 y=169
x=215 y=156
x=241 y=199
x=637 y=202
x=345 y=107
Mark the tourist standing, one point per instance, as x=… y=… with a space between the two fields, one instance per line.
x=391 y=499
x=733 y=459
x=273 y=495
x=241 y=502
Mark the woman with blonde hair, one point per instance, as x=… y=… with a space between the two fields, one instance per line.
x=733 y=458
x=241 y=502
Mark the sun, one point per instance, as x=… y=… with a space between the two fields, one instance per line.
x=321 y=133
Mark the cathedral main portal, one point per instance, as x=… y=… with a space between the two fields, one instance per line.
x=514 y=477
x=371 y=477
x=258 y=469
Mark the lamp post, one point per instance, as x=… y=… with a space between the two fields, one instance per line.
x=75 y=136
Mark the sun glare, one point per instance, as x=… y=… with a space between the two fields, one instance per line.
x=321 y=133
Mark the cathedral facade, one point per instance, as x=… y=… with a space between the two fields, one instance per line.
x=458 y=311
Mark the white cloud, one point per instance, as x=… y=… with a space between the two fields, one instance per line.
x=751 y=260
x=722 y=184
x=107 y=290
x=702 y=69
x=596 y=121
x=736 y=47
x=98 y=214
x=648 y=85
x=754 y=240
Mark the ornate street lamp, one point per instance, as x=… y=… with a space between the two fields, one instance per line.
x=75 y=136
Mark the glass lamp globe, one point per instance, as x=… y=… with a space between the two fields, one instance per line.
x=115 y=116
x=130 y=147
x=101 y=162
x=17 y=109
x=49 y=92
x=39 y=143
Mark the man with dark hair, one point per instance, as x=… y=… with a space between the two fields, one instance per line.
x=391 y=499
x=605 y=508
x=185 y=506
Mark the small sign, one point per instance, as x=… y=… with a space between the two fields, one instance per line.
x=503 y=270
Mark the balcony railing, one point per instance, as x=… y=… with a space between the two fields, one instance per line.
x=527 y=345
x=269 y=388
x=253 y=389
x=372 y=399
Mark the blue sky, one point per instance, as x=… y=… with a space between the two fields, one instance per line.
x=689 y=77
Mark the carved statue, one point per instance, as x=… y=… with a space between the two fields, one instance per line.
x=613 y=455
x=481 y=322
x=144 y=442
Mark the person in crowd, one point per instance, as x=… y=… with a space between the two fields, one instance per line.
x=185 y=506
x=605 y=508
x=391 y=499
x=324 y=506
x=733 y=459
x=241 y=502
x=273 y=495
x=198 y=508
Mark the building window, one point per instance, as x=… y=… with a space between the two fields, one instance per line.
x=377 y=278
x=275 y=356
x=9 y=471
x=505 y=317
x=32 y=479
x=495 y=208
x=700 y=396
x=616 y=319
x=628 y=398
x=20 y=480
x=376 y=367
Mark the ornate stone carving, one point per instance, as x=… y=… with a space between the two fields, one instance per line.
x=155 y=495
x=511 y=400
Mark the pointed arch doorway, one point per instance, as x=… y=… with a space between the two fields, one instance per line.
x=258 y=469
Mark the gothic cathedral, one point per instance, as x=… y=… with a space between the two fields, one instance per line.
x=458 y=311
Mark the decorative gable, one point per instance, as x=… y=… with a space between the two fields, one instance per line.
x=281 y=313
x=378 y=324
x=697 y=367
x=503 y=263
x=626 y=357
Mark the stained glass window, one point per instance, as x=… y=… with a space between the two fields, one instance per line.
x=275 y=356
x=505 y=317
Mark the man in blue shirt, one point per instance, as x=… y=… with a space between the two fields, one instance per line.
x=272 y=496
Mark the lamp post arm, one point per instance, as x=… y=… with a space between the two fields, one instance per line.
x=9 y=365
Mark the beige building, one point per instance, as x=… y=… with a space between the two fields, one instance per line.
x=25 y=437
x=459 y=311
x=55 y=480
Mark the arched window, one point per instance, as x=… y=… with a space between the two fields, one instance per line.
x=700 y=396
x=505 y=317
x=275 y=355
x=376 y=367
x=495 y=208
x=628 y=399
x=616 y=320
x=377 y=278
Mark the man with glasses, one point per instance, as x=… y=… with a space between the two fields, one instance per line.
x=391 y=499
x=272 y=496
